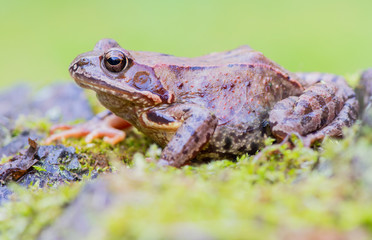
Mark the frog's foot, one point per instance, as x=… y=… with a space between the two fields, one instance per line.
x=323 y=109
x=109 y=134
x=106 y=127
x=67 y=132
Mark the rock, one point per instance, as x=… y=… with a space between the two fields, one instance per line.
x=15 y=101
x=5 y=193
x=5 y=133
x=60 y=164
x=18 y=143
x=46 y=166
x=59 y=102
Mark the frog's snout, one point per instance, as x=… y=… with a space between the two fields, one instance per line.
x=73 y=67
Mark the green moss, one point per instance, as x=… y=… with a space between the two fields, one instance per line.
x=39 y=168
x=5 y=159
x=42 y=125
x=256 y=197
x=34 y=209
x=99 y=154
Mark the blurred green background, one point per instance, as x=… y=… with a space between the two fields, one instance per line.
x=40 y=38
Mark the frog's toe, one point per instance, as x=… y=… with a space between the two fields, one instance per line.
x=74 y=132
x=59 y=127
x=110 y=135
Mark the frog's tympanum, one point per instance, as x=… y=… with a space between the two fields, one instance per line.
x=215 y=106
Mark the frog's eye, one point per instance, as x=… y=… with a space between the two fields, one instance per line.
x=115 y=61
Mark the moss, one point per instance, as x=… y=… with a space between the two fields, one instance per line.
x=41 y=125
x=255 y=197
x=99 y=154
x=34 y=209
x=5 y=159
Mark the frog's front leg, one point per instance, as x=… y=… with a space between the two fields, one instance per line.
x=105 y=125
x=326 y=106
x=195 y=124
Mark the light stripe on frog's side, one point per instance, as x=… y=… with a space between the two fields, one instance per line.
x=161 y=122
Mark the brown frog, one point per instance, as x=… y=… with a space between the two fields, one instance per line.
x=215 y=106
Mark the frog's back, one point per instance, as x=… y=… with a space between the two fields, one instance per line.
x=226 y=83
x=242 y=55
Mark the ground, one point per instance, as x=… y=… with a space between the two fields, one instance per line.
x=283 y=192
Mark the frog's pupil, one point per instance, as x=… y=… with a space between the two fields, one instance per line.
x=114 y=60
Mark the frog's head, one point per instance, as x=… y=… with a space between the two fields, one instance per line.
x=112 y=70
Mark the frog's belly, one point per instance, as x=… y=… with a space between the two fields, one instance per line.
x=230 y=141
x=161 y=137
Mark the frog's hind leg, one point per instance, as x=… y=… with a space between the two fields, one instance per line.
x=326 y=106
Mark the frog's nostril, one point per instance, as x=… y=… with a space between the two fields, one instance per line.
x=83 y=61
x=73 y=68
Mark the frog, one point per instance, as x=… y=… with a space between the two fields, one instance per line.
x=217 y=106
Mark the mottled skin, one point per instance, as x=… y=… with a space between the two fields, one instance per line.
x=214 y=106
x=326 y=106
